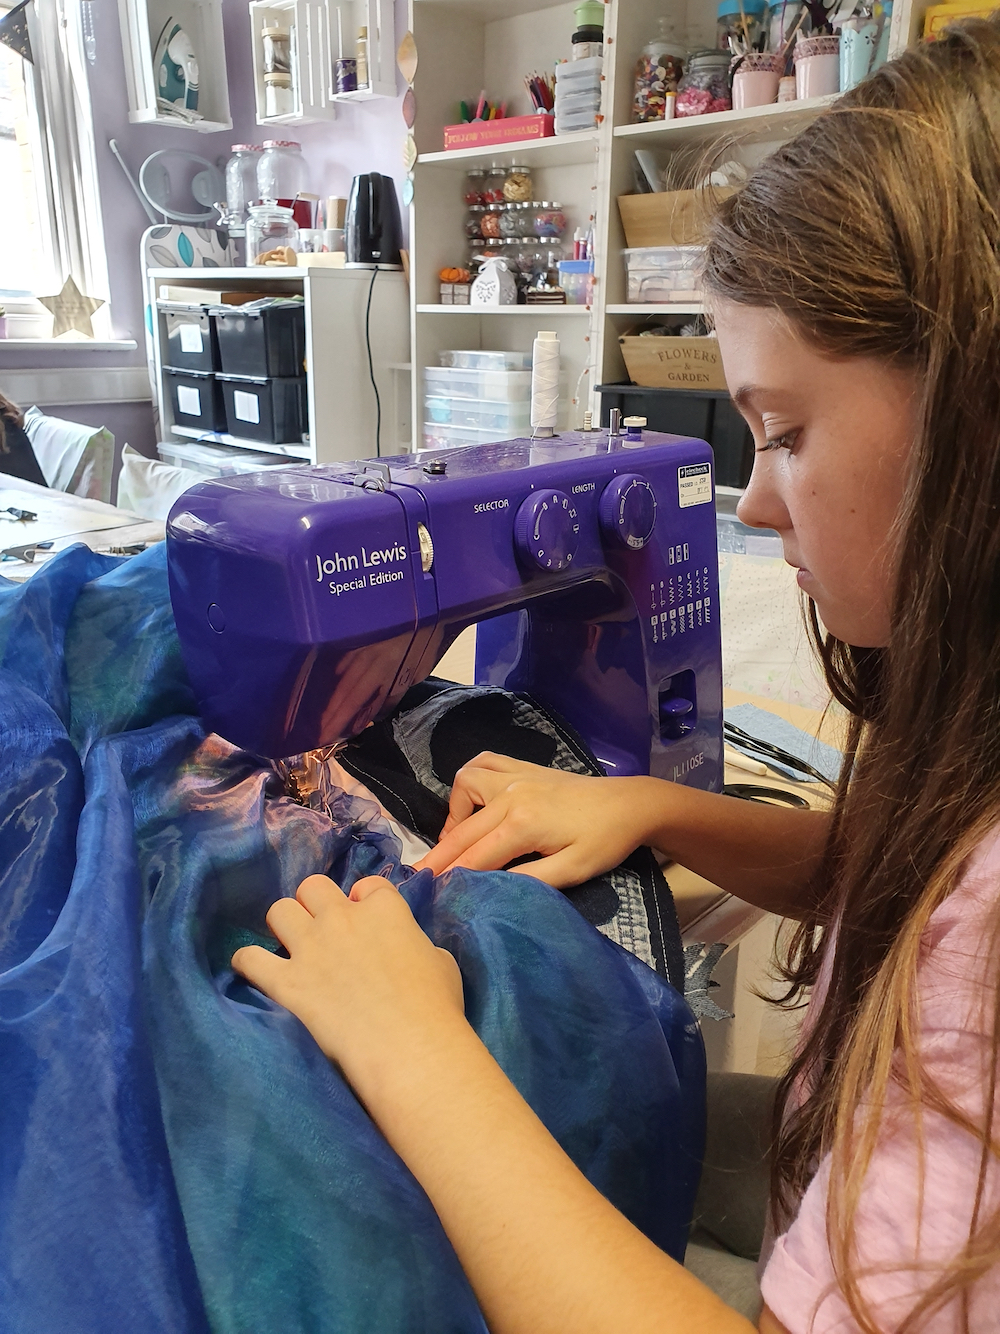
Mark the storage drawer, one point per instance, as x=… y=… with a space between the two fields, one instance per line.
x=196 y=399
x=513 y=419
x=215 y=460
x=191 y=341
x=660 y=274
x=269 y=408
x=501 y=386
x=262 y=338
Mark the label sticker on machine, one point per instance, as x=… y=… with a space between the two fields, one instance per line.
x=188 y=400
x=694 y=485
x=191 y=339
x=246 y=406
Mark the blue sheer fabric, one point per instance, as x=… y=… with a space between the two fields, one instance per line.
x=176 y=1154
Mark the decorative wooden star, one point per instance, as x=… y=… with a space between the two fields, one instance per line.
x=71 y=310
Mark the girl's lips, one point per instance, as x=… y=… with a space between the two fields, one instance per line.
x=803 y=578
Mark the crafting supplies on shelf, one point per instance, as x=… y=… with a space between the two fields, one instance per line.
x=579 y=86
x=214 y=460
x=476 y=397
x=663 y=273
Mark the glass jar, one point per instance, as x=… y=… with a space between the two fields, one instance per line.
x=277 y=49
x=518 y=187
x=241 y=183
x=281 y=171
x=516 y=221
x=475 y=258
x=549 y=219
x=475 y=179
x=493 y=185
x=270 y=228
x=659 y=67
x=744 y=29
x=491 y=221
x=474 y=221
x=705 y=86
x=279 y=99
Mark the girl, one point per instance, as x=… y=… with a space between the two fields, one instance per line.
x=855 y=284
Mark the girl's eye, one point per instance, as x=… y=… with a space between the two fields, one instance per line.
x=780 y=441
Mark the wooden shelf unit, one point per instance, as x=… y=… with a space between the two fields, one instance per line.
x=468 y=45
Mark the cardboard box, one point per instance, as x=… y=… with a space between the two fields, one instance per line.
x=674 y=217
x=506 y=130
x=656 y=362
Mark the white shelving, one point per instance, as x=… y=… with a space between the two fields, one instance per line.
x=468 y=45
x=142 y=22
x=308 y=25
x=341 y=402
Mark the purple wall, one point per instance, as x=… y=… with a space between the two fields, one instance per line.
x=365 y=137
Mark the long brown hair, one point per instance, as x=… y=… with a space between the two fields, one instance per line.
x=876 y=233
x=10 y=414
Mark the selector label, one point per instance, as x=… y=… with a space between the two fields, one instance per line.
x=694 y=485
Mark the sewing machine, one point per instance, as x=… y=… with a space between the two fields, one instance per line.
x=309 y=599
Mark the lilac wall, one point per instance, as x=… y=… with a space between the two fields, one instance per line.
x=364 y=137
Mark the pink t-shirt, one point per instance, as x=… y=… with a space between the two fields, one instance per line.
x=895 y=1228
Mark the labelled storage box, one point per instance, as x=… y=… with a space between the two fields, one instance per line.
x=707 y=415
x=196 y=399
x=673 y=362
x=664 y=273
x=263 y=338
x=191 y=342
x=511 y=419
x=216 y=460
x=456 y=382
x=267 y=408
x=440 y=435
x=475 y=360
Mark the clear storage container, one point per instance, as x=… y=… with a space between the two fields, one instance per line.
x=281 y=171
x=439 y=435
x=509 y=419
x=473 y=359
x=664 y=273
x=216 y=460
x=497 y=385
x=576 y=278
x=270 y=228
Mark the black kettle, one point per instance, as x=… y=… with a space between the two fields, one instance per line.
x=373 y=233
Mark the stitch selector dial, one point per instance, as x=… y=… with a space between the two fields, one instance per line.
x=627 y=511
x=547 y=530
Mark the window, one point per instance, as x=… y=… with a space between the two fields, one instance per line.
x=50 y=223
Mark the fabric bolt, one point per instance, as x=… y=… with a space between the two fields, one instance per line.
x=176 y=1154
x=916 y=1205
x=409 y=761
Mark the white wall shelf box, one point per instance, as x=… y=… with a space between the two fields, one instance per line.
x=142 y=22
x=560 y=150
x=308 y=24
x=777 y=120
x=341 y=402
x=378 y=17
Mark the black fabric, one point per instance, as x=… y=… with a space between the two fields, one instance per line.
x=17 y=458
x=634 y=895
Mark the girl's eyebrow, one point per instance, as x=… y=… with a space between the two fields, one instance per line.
x=747 y=395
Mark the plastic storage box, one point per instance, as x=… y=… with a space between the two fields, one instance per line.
x=498 y=386
x=442 y=435
x=271 y=409
x=215 y=460
x=475 y=360
x=705 y=414
x=196 y=399
x=191 y=342
x=664 y=273
x=510 y=419
x=576 y=278
x=578 y=94
x=263 y=338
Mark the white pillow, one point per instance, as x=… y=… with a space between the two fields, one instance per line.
x=73 y=457
x=149 y=487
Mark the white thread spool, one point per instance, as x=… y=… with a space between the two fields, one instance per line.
x=544 y=383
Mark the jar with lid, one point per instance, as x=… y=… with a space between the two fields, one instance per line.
x=491 y=220
x=516 y=221
x=657 y=72
x=281 y=171
x=549 y=219
x=705 y=86
x=474 y=221
x=279 y=100
x=277 y=48
x=241 y=185
x=475 y=180
x=744 y=29
x=493 y=185
x=270 y=227
x=518 y=187
x=475 y=257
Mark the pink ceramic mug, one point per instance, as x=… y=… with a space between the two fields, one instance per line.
x=817 y=66
x=755 y=83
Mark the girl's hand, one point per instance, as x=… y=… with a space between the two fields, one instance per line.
x=362 y=976
x=501 y=809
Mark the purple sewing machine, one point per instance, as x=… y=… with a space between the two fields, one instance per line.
x=308 y=599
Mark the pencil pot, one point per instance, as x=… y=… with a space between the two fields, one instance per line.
x=755 y=83
x=817 y=66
